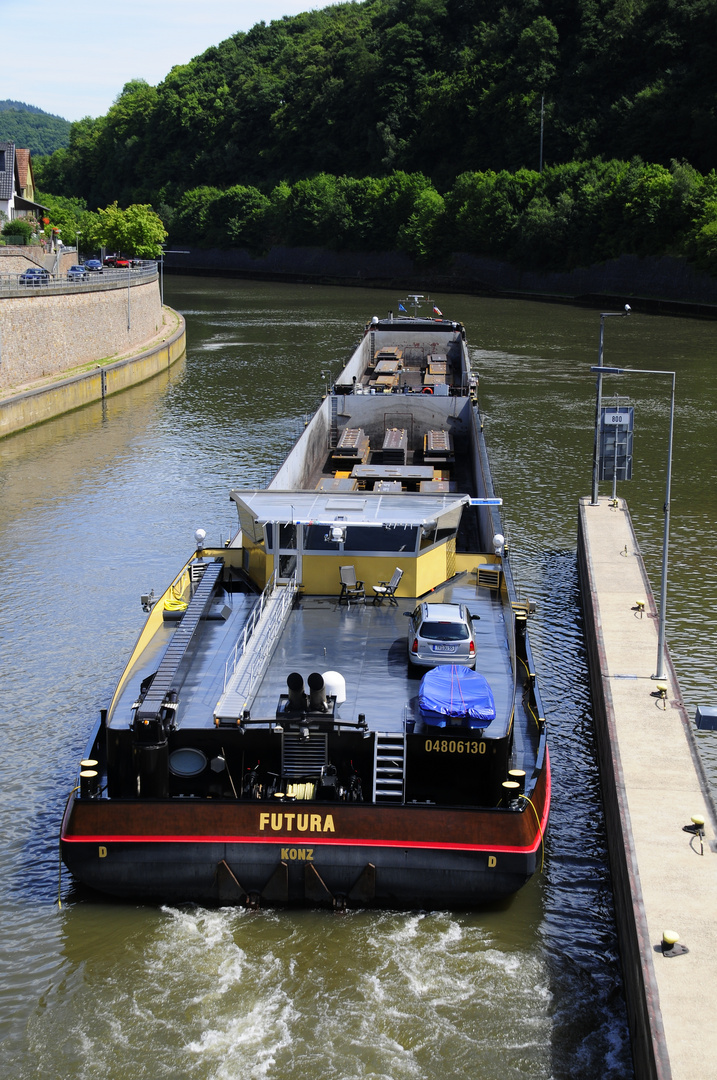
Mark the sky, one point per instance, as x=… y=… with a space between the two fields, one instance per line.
x=73 y=58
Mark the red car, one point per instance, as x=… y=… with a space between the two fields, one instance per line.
x=120 y=261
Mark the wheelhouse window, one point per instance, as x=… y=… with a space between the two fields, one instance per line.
x=287 y=537
x=381 y=538
x=318 y=538
x=378 y=538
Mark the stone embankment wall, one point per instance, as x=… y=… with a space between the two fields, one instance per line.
x=40 y=403
x=14 y=260
x=50 y=331
x=666 y=283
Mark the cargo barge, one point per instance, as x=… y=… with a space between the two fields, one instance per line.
x=339 y=706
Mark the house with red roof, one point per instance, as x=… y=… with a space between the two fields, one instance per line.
x=17 y=184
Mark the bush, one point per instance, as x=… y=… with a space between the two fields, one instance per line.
x=18 y=227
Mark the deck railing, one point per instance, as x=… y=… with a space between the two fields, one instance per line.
x=269 y=633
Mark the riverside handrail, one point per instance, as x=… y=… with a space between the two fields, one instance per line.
x=107 y=276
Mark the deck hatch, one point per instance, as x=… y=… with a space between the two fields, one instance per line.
x=395 y=446
x=349 y=442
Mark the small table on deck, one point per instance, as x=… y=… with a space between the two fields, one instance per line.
x=407 y=474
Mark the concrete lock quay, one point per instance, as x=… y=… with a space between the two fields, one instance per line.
x=653 y=784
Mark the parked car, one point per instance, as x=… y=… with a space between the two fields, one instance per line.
x=94 y=266
x=441 y=634
x=34 y=275
x=77 y=273
x=110 y=260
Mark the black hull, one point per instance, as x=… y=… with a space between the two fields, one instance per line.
x=267 y=743
x=296 y=875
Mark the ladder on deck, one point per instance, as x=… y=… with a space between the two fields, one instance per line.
x=389 y=766
x=334 y=428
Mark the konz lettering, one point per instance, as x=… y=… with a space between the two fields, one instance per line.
x=303 y=854
x=313 y=823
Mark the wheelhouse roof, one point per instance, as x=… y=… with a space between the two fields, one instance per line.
x=355 y=508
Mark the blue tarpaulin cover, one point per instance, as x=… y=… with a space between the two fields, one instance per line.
x=453 y=692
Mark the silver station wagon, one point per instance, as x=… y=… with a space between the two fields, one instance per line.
x=441 y=634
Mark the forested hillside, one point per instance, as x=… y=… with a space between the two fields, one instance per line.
x=31 y=128
x=440 y=86
x=292 y=131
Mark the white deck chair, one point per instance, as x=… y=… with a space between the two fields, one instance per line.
x=386 y=590
x=351 y=589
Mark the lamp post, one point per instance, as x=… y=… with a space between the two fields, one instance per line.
x=326 y=376
x=77 y=244
x=604 y=315
x=660 y=673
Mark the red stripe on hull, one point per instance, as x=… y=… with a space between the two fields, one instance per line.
x=279 y=839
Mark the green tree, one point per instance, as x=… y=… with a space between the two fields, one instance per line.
x=238 y=218
x=486 y=209
x=422 y=236
x=190 y=220
x=318 y=212
x=136 y=230
x=70 y=215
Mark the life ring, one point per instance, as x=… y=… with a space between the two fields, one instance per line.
x=427 y=390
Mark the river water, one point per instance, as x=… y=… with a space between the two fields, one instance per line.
x=100 y=506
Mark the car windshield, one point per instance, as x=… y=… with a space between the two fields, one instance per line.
x=444 y=631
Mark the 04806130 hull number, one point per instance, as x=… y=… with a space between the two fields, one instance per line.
x=454 y=746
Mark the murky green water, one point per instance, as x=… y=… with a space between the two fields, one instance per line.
x=101 y=506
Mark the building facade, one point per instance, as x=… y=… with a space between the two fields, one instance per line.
x=17 y=184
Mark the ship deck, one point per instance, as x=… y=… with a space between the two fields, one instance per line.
x=365 y=643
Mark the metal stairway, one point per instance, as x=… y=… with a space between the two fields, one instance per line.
x=166 y=675
x=389 y=766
